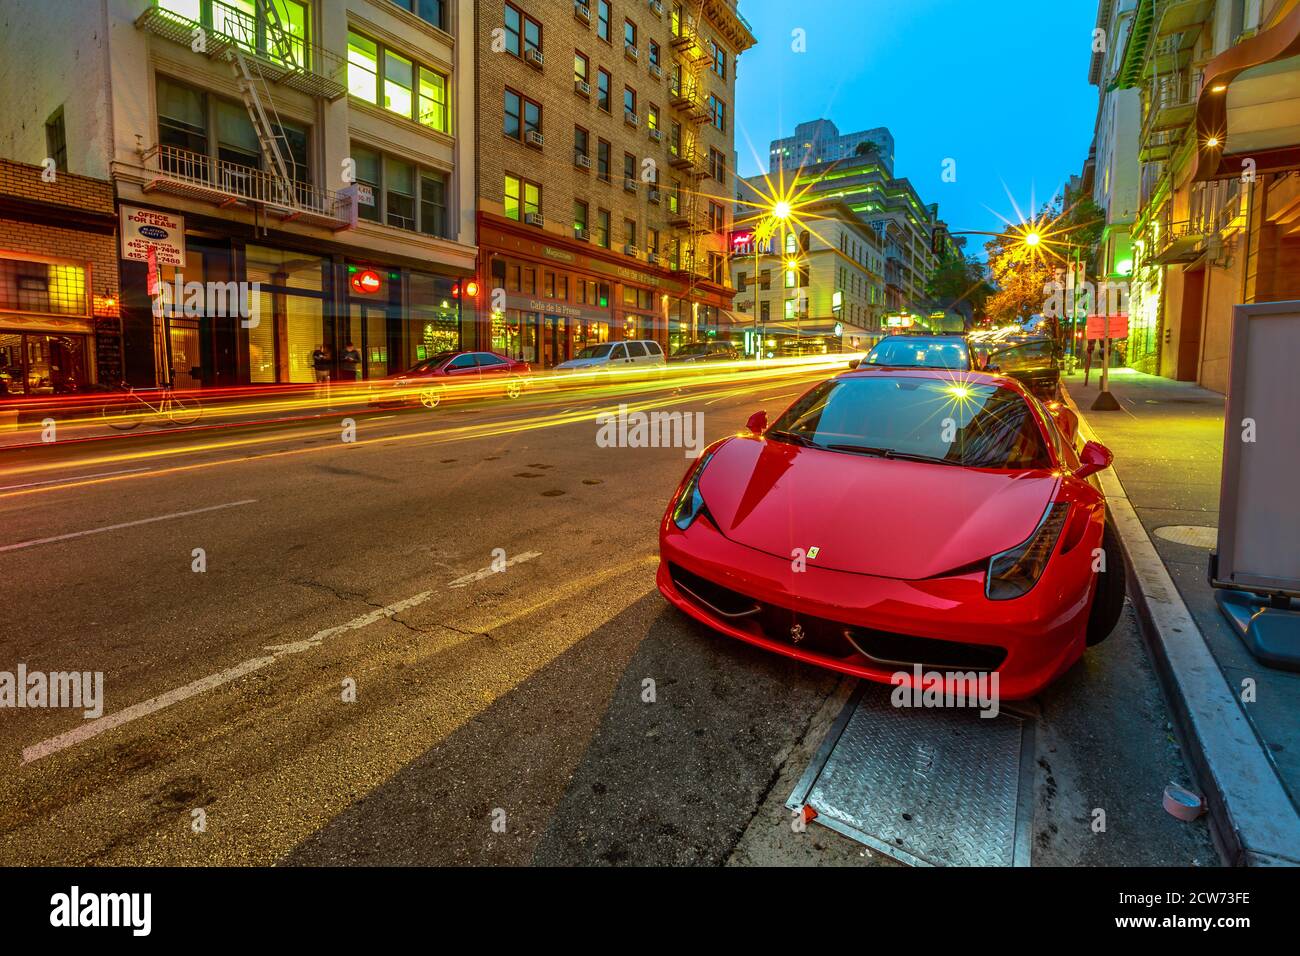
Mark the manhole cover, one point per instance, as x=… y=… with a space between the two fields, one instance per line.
x=929 y=787
x=1189 y=534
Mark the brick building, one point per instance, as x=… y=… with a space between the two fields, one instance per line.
x=60 y=327
x=605 y=138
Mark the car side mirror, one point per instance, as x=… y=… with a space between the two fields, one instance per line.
x=854 y=363
x=1093 y=457
x=757 y=423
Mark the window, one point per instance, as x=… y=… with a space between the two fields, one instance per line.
x=629 y=33
x=629 y=166
x=513 y=125
x=370 y=64
x=740 y=281
x=717 y=217
x=675 y=139
x=602 y=89
x=652 y=241
x=765 y=311
x=653 y=53
x=629 y=100
x=399 y=193
x=532 y=117
x=522 y=198
x=579 y=218
x=581 y=142
x=244 y=22
x=581 y=67
x=652 y=117
x=719 y=56
x=430 y=11
x=398 y=83
x=532 y=35
x=56 y=141
x=715 y=267
x=514 y=30
x=629 y=232
x=717 y=165
x=433 y=204
x=602 y=228
x=717 y=113
x=602 y=160
x=368 y=174
x=765 y=280
x=602 y=20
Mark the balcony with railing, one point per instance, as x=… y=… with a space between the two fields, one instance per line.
x=1170 y=103
x=282 y=56
x=181 y=172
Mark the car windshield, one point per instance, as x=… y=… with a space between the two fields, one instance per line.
x=920 y=352
x=700 y=349
x=979 y=426
x=594 y=351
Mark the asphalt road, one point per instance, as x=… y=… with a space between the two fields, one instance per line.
x=499 y=717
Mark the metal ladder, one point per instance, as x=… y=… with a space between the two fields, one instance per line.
x=256 y=94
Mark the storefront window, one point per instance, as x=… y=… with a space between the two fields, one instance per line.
x=435 y=321
x=49 y=288
x=35 y=364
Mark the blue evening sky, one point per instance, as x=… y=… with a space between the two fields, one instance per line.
x=999 y=86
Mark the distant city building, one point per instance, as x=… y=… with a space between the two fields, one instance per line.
x=820 y=142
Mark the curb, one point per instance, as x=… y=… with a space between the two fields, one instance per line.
x=1252 y=819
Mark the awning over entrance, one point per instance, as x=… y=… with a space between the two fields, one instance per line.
x=1248 y=112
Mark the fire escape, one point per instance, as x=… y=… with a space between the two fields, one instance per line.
x=260 y=50
x=687 y=98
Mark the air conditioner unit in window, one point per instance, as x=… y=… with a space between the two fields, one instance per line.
x=582 y=88
x=582 y=12
x=581 y=160
x=533 y=138
x=534 y=56
x=654 y=195
x=534 y=219
x=658 y=7
x=631 y=52
x=656 y=71
x=629 y=249
x=657 y=135
x=582 y=235
x=631 y=118
x=629 y=184
x=653 y=258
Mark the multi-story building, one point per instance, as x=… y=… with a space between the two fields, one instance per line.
x=1218 y=190
x=820 y=141
x=320 y=153
x=60 y=327
x=910 y=235
x=1113 y=171
x=816 y=287
x=605 y=133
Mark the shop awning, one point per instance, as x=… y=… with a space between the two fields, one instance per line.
x=1248 y=111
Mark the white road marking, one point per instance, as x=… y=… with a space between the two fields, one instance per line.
x=126 y=524
x=55 y=481
x=101 y=725
x=487 y=572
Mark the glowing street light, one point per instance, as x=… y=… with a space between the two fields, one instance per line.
x=1032 y=239
x=781 y=210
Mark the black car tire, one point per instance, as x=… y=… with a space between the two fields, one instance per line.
x=431 y=396
x=1108 y=602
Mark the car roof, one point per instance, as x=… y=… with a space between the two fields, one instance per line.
x=954 y=376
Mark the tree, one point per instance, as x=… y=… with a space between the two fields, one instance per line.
x=959 y=280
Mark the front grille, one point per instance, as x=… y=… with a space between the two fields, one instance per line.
x=833 y=639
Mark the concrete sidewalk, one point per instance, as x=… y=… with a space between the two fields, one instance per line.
x=1167 y=439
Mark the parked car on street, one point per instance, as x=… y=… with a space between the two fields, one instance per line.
x=1035 y=363
x=920 y=351
x=632 y=358
x=452 y=374
x=980 y=557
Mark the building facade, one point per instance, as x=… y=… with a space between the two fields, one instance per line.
x=310 y=161
x=820 y=141
x=1218 y=149
x=60 y=325
x=604 y=144
x=817 y=287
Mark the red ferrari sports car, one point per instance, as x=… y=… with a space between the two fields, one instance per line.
x=892 y=518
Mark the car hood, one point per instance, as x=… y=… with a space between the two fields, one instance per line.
x=865 y=515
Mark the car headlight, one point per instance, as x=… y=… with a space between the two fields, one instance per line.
x=690 y=503
x=1015 y=572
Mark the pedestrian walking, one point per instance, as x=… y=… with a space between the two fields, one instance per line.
x=321 y=362
x=349 y=363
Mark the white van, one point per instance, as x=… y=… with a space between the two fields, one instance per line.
x=624 y=358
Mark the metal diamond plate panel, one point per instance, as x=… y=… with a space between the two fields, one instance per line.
x=936 y=787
